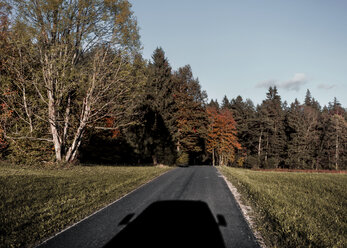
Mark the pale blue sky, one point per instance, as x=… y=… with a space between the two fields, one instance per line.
x=242 y=47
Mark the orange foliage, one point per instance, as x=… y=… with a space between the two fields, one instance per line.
x=109 y=123
x=222 y=138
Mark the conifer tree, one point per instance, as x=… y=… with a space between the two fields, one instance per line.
x=303 y=137
x=271 y=117
x=160 y=108
x=213 y=104
x=244 y=116
x=226 y=103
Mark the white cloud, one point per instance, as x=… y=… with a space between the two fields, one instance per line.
x=326 y=86
x=267 y=84
x=298 y=80
x=295 y=83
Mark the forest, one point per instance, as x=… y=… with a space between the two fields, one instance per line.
x=74 y=88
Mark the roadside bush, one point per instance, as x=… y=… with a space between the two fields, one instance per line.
x=251 y=162
x=183 y=159
x=30 y=152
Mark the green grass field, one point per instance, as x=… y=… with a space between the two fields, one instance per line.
x=36 y=203
x=295 y=209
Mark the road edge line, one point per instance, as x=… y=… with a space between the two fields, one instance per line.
x=245 y=210
x=99 y=210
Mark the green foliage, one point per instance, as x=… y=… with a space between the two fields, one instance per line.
x=182 y=159
x=36 y=203
x=67 y=67
x=154 y=137
x=295 y=209
x=251 y=161
x=270 y=112
x=301 y=136
x=30 y=152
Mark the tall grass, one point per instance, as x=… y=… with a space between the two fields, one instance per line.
x=295 y=209
x=35 y=203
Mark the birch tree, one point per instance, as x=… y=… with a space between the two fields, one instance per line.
x=70 y=59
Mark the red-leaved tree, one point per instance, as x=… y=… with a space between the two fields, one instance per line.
x=222 y=141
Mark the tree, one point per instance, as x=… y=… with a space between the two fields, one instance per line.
x=222 y=142
x=271 y=130
x=5 y=48
x=245 y=117
x=308 y=98
x=157 y=134
x=333 y=140
x=191 y=117
x=213 y=104
x=70 y=68
x=225 y=103
x=5 y=114
x=303 y=137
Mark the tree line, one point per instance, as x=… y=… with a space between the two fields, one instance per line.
x=75 y=87
x=304 y=135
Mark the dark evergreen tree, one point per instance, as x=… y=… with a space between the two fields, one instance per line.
x=308 y=98
x=225 y=103
x=244 y=116
x=160 y=111
x=272 y=139
x=213 y=104
x=303 y=136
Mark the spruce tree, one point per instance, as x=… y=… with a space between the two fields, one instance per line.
x=271 y=117
x=225 y=103
x=214 y=104
x=244 y=115
x=159 y=123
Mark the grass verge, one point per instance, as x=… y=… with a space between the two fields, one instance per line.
x=36 y=203
x=295 y=209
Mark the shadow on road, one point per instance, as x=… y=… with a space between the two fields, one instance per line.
x=171 y=224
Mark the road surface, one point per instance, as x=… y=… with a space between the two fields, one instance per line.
x=186 y=207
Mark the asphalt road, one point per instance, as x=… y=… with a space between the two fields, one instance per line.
x=186 y=207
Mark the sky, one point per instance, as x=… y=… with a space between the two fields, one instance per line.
x=243 y=47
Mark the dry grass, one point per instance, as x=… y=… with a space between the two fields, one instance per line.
x=36 y=203
x=295 y=209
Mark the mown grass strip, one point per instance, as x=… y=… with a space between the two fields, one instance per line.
x=295 y=209
x=36 y=203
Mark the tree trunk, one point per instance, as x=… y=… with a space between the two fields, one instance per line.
x=337 y=152
x=259 y=144
x=154 y=157
x=213 y=159
x=53 y=125
x=72 y=152
x=267 y=147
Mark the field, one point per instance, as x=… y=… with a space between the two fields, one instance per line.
x=295 y=209
x=36 y=203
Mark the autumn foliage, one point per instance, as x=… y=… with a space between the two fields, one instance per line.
x=110 y=121
x=222 y=141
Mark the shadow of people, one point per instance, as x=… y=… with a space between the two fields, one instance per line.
x=171 y=224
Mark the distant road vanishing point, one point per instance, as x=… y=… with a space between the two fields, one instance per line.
x=186 y=207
